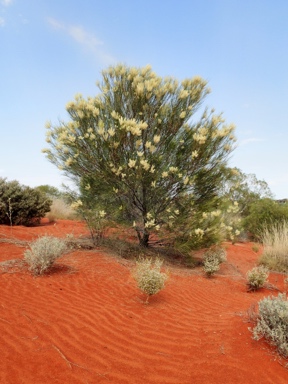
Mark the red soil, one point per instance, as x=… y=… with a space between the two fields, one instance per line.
x=86 y=321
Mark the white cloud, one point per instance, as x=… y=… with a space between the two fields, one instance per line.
x=2 y=22
x=250 y=140
x=85 y=39
x=6 y=2
x=55 y=24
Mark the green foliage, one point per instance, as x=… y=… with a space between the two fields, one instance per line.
x=50 y=191
x=43 y=252
x=212 y=260
x=275 y=242
x=272 y=322
x=264 y=214
x=21 y=205
x=257 y=277
x=244 y=189
x=255 y=248
x=149 y=277
x=136 y=147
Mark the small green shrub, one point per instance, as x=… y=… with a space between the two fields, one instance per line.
x=21 y=205
x=149 y=277
x=43 y=252
x=255 y=248
x=275 y=242
x=257 y=277
x=212 y=260
x=272 y=322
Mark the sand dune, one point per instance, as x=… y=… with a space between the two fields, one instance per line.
x=86 y=322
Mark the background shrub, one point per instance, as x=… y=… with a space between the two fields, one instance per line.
x=21 y=205
x=272 y=322
x=275 y=242
x=257 y=277
x=61 y=210
x=149 y=277
x=43 y=252
x=263 y=215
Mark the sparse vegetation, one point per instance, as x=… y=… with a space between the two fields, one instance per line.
x=257 y=277
x=212 y=260
x=149 y=277
x=272 y=322
x=275 y=242
x=60 y=210
x=43 y=252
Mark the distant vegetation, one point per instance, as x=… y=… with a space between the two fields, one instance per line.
x=21 y=205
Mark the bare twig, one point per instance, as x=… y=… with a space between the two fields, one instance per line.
x=69 y=363
x=12 y=240
x=6 y=321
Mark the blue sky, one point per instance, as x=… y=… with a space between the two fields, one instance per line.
x=53 y=49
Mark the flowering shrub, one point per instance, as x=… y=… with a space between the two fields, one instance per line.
x=43 y=252
x=257 y=277
x=134 y=147
x=149 y=277
x=272 y=322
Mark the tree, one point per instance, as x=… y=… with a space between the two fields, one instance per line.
x=263 y=215
x=137 y=145
x=50 y=191
x=245 y=189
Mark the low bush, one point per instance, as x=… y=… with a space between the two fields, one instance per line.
x=43 y=252
x=272 y=322
x=212 y=260
x=60 y=210
x=275 y=242
x=257 y=277
x=149 y=277
x=21 y=205
x=264 y=214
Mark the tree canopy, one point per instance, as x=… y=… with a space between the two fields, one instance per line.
x=139 y=145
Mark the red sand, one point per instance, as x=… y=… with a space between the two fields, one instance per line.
x=86 y=322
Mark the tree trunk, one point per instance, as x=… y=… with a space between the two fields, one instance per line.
x=144 y=239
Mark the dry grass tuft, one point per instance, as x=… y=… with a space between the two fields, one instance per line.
x=275 y=241
x=61 y=210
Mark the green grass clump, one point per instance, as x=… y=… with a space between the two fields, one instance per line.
x=149 y=277
x=275 y=242
x=272 y=322
x=43 y=252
